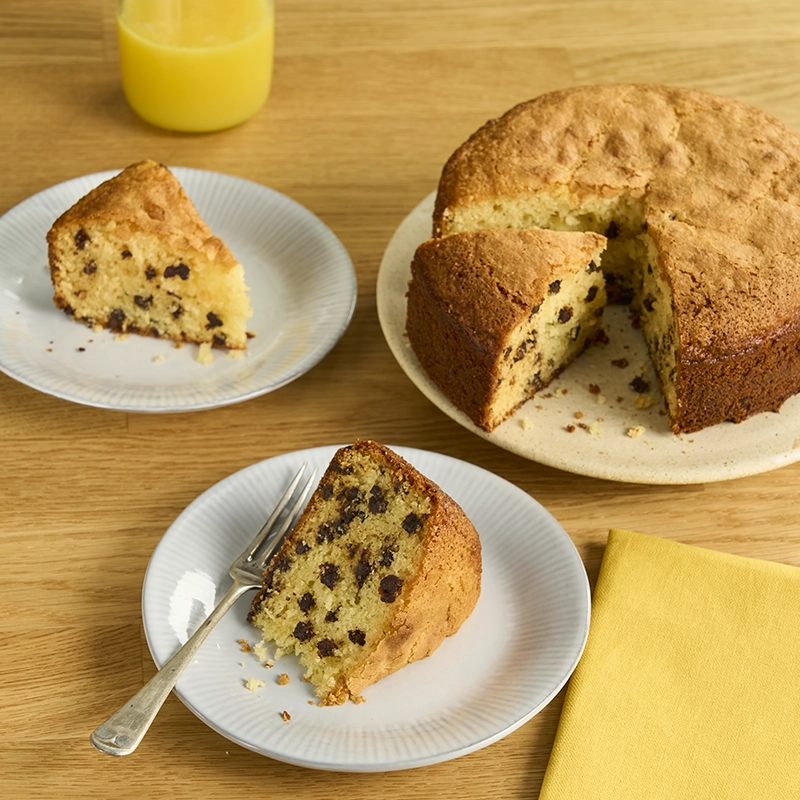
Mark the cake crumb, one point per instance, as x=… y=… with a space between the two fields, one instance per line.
x=244 y=645
x=594 y=388
x=601 y=400
x=204 y=354
x=235 y=354
x=595 y=429
x=254 y=684
x=283 y=679
x=359 y=700
x=310 y=702
x=525 y=424
x=570 y=428
x=160 y=359
x=635 y=432
x=285 y=716
x=121 y=337
x=97 y=327
x=620 y=362
x=645 y=401
x=261 y=651
x=579 y=415
x=269 y=663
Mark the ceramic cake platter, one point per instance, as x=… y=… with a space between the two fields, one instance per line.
x=506 y=663
x=590 y=421
x=302 y=289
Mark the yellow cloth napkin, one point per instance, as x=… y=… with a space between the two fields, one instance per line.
x=689 y=686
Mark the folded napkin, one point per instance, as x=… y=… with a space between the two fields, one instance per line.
x=689 y=686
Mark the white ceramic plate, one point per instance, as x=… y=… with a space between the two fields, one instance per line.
x=508 y=661
x=302 y=289
x=600 y=443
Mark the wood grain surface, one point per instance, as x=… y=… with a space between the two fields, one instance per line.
x=368 y=101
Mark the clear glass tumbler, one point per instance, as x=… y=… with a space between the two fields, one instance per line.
x=196 y=65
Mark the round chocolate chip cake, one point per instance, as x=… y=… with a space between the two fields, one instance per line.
x=698 y=198
x=380 y=568
x=133 y=255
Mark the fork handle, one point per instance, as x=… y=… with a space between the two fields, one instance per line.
x=122 y=732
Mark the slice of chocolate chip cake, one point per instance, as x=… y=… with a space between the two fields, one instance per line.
x=380 y=568
x=495 y=315
x=134 y=255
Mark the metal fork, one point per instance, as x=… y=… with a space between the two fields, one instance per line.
x=122 y=732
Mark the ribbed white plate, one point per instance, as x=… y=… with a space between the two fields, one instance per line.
x=302 y=289
x=508 y=661
x=565 y=427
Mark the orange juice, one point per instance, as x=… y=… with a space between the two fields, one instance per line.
x=196 y=65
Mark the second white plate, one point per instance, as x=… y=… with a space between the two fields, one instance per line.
x=302 y=289
x=508 y=660
x=587 y=421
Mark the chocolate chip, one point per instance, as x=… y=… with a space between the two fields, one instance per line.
x=143 y=302
x=302 y=547
x=181 y=270
x=521 y=350
x=575 y=333
x=612 y=231
x=219 y=340
x=554 y=287
x=565 y=314
x=329 y=575
x=362 y=571
x=387 y=557
x=81 y=237
x=412 y=523
x=389 y=588
x=326 y=491
x=90 y=268
x=591 y=294
x=150 y=273
x=332 y=616
x=116 y=319
x=639 y=385
x=177 y=312
x=282 y=563
x=306 y=602
x=592 y=267
x=648 y=302
x=325 y=533
x=535 y=310
x=620 y=362
x=213 y=321
x=126 y=254
x=303 y=631
x=377 y=502
x=357 y=637
x=326 y=647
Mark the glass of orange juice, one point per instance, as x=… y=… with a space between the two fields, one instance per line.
x=196 y=65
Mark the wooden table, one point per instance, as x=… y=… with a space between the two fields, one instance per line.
x=368 y=101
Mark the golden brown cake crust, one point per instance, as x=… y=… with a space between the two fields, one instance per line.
x=719 y=185
x=433 y=603
x=147 y=197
